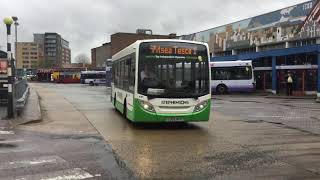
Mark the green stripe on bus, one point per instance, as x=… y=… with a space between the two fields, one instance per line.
x=130 y=115
x=141 y=115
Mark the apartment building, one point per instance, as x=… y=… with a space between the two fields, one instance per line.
x=28 y=55
x=55 y=49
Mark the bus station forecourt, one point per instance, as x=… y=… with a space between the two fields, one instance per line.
x=170 y=108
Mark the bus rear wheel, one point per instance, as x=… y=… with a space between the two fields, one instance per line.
x=222 y=89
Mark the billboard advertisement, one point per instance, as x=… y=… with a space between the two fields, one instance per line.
x=3 y=66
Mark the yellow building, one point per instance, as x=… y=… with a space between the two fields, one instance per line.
x=28 y=55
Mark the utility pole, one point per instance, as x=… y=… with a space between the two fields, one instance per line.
x=8 y=21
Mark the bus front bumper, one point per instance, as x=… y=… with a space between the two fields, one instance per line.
x=141 y=115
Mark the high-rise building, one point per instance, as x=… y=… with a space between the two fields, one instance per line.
x=28 y=55
x=55 y=49
x=66 y=52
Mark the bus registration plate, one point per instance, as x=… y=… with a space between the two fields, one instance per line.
x=174 y=119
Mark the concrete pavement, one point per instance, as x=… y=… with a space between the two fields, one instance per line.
x=59 y=115
x=62 y=146
x=31 y=111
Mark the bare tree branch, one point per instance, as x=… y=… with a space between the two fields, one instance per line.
x=82 y=58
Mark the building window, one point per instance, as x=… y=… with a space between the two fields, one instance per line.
x=25 y=62
x=51 y=54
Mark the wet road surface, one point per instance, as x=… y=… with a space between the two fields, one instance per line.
x=301 y=114
x=228 y=146
x=31 y=156
x=62 y=146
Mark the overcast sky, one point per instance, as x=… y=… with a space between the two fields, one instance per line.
x=89 y=23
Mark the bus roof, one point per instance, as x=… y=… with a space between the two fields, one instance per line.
x=231 y=63
x=132 y=48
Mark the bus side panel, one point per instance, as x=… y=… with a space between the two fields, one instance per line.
x=130 y=106
x=119 y=99
x=241 y=86
x=121 y=96
x=119 y=106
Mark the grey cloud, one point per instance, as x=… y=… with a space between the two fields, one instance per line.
x=88 y=23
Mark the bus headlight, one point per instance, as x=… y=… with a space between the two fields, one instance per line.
x=201 y=106
x=146 y=106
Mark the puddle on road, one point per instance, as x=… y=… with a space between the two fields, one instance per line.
x=240 y=160
x=85 y=138
x=5 y=145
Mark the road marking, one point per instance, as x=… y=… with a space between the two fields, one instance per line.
x=286 y=117
x=244 y=107
x=11 y=141
x=15 y=151
x=32 y=162
x=69 y=174
x=239 y=107
x=265 y=116
x=6 y=132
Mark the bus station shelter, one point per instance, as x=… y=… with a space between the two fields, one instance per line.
x=271 y=68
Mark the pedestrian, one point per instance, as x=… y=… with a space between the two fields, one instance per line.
x=289 y=84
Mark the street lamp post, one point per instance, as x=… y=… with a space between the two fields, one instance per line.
x=16 y=24
x=8 y=21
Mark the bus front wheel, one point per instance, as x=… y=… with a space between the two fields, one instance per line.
x=222 y=89
x=125 y=109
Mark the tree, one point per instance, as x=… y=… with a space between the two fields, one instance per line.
x=82 y=58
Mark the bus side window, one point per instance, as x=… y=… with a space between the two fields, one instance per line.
x=127 y=73
x=132 y=73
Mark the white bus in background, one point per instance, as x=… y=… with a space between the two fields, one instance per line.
x=93 y=77
x=232 y=76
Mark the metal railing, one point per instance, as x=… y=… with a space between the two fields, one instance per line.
x=21 y=93
x=20 y=88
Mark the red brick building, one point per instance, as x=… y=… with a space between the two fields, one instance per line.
x=118 y=42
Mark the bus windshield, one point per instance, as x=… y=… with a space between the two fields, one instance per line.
x=173 y=70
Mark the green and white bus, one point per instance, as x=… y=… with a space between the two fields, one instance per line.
x=162 y=81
